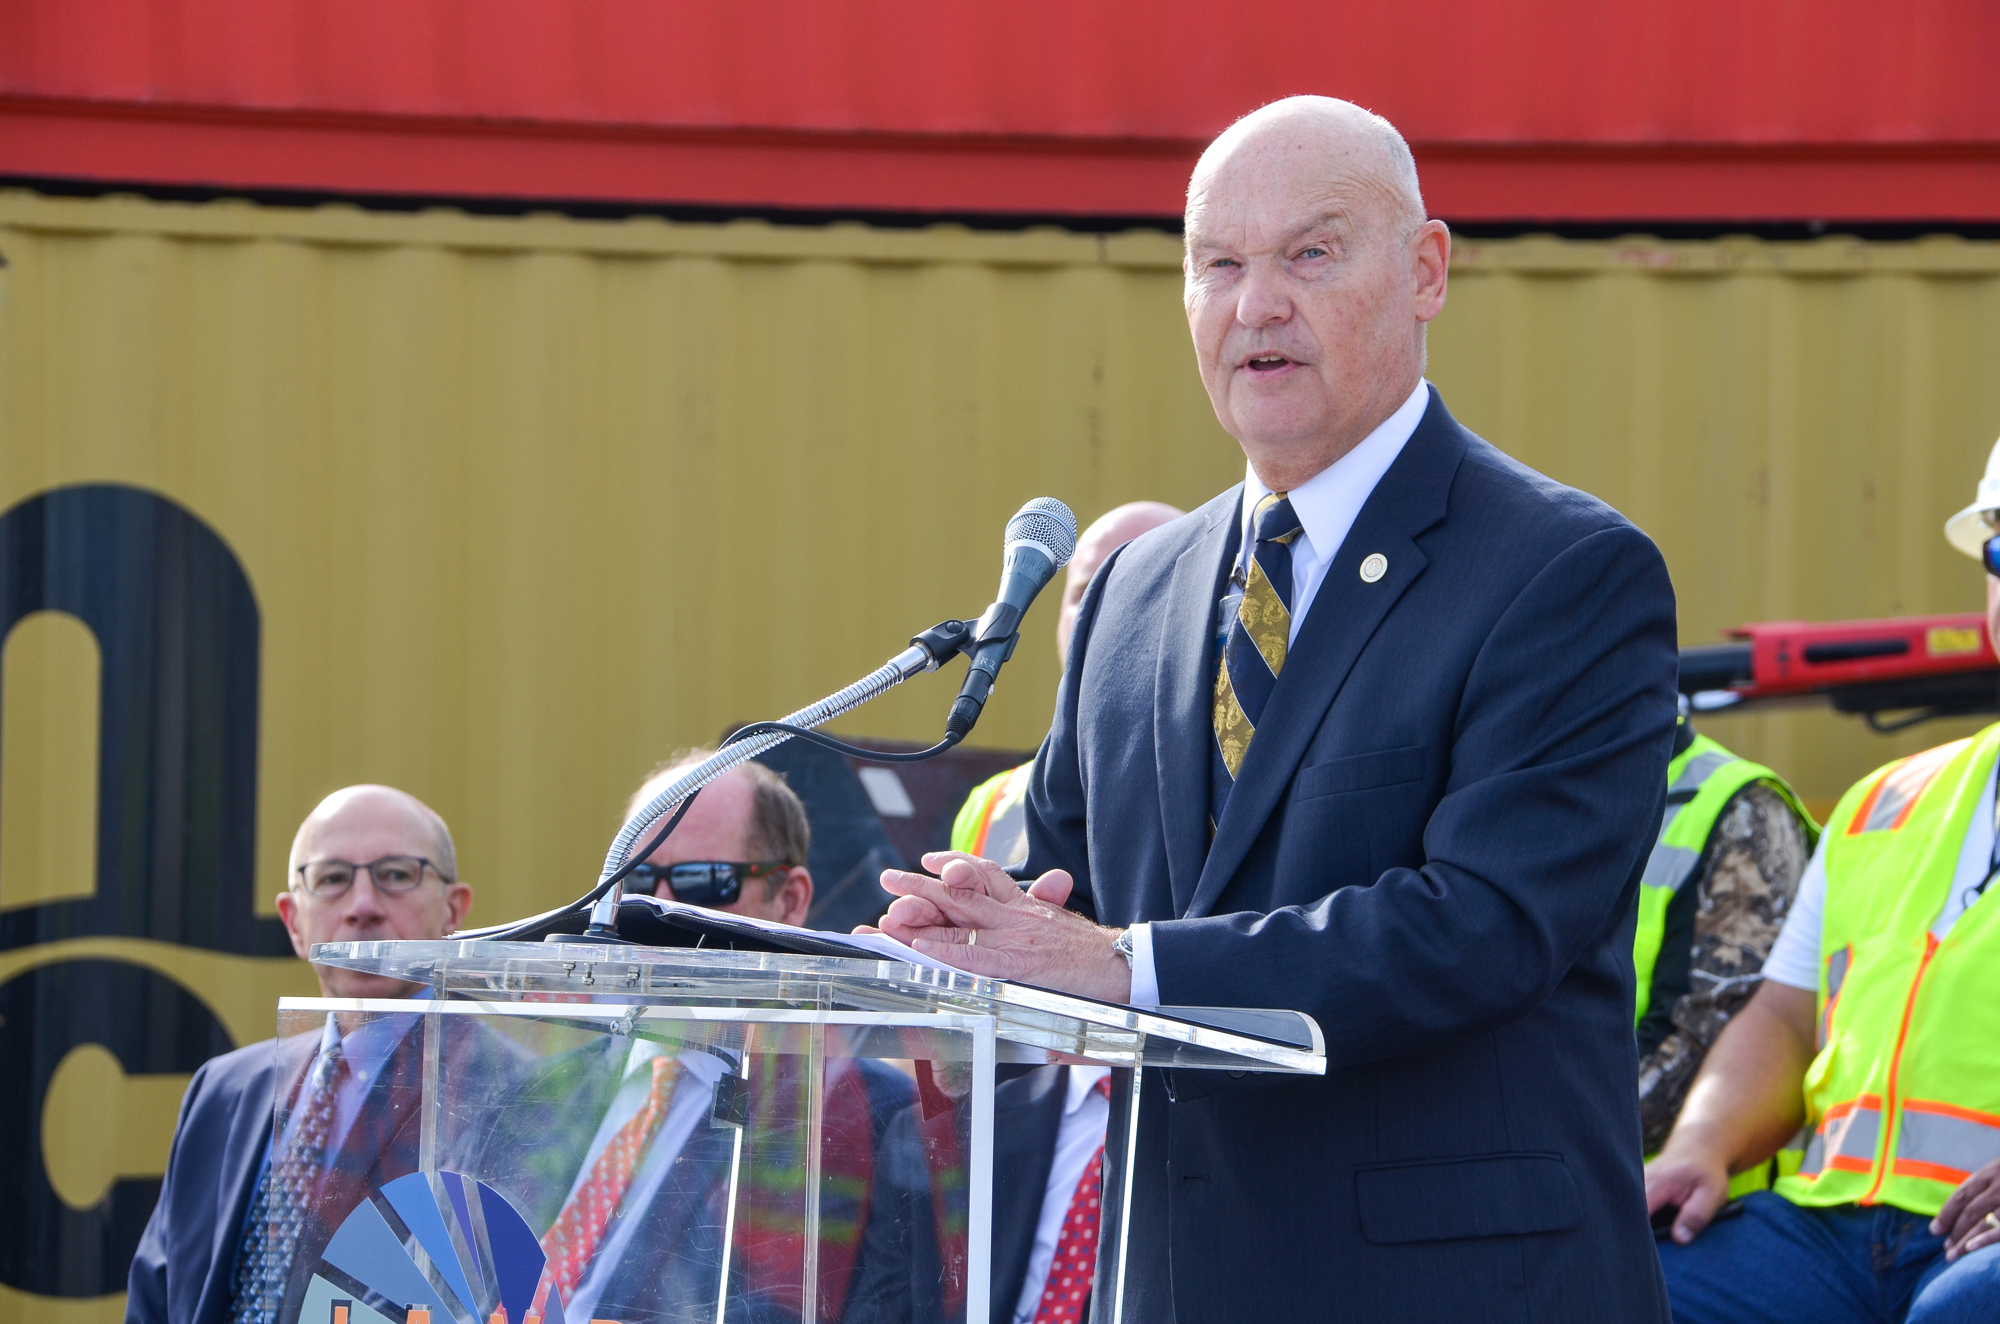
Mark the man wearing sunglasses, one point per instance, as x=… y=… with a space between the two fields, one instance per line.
x=740 y=848
x=1874 y=1039
x=369 y=863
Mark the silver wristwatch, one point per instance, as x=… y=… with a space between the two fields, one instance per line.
x=1122 y=945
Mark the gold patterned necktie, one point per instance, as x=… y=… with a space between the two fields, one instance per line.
x=580 y=1226
x=1254 y=652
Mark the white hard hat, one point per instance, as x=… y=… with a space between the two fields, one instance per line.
x=1969 y=529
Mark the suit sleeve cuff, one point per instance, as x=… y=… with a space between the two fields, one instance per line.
x=1145 y=979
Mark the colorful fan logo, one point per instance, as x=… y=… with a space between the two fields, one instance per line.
x=429 y=1248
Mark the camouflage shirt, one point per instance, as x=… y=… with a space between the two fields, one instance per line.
x=1725 y=919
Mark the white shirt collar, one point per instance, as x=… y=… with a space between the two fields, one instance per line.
x=1328 y=502
x=1082 y=1080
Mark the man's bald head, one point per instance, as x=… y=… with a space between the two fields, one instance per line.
x=1351 y=144
x=374 y=807
x=1311 y=275
x=1106 y=534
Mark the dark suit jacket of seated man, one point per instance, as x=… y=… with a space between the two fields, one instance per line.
x=1432 y=846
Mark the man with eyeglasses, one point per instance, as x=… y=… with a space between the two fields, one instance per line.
x=740 y=848
x=239 y=1204
x=1873 y=1046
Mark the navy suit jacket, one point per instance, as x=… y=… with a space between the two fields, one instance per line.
x=1433 y=847
x=184 y=1269
x=186 y=1260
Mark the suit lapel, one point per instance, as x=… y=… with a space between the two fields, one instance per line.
x=1343 y=616
x=1183 y=725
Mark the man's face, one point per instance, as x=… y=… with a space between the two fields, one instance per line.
x=717 y=827
x=363 y=829
x=1306 y=289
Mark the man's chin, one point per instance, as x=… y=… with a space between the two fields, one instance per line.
x=1272 y=423
x=354 y=984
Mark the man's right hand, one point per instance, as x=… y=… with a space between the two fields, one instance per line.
x=1695 y=1182
x=1744 y=1104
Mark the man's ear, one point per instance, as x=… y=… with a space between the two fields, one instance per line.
x=796 y=895
x=1431 y=268
x=288 y=911
x=458 y=904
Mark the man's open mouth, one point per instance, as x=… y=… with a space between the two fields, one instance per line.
x=1268 y=363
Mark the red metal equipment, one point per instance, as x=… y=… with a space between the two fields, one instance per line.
x=1916 y=667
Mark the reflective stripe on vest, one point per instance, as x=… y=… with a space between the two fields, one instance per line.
x=1903 y=1096
x=1943 y=1142
x=1845 y=1138
x=1701 y=781
x=1835 y=975
x=993 y=821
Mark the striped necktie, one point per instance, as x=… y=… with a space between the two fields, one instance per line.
x=1254 y=651
x=573 y=1239
x=278 y=1211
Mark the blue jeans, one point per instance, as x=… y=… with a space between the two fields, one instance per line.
x=1779 y=1263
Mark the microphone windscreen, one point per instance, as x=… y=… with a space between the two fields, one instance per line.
x=1047 y=523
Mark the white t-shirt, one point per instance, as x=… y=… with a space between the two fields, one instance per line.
x=1794 y=959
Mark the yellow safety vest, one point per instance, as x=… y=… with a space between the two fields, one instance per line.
x=1903 y=1099
x=993 y=821
x=1700 y=782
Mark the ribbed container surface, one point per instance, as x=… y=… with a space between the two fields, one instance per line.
x=528 y=504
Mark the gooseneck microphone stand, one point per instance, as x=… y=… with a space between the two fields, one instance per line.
x=1039 y=540
x=927 y=652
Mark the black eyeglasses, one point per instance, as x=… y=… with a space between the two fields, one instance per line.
x=393 y=875
x=1992 y=557
x=704 y=882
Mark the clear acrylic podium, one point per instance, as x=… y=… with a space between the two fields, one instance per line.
x=575 y=1131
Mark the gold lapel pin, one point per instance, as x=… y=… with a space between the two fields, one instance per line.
x=1373 y=567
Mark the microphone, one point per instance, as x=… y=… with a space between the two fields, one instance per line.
x=1039 y=541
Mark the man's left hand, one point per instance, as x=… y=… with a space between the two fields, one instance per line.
x=1970 y=1219
x=977 y=918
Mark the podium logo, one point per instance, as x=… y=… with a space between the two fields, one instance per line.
x=128 y=781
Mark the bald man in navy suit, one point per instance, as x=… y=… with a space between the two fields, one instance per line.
x=1379 y=735
x=187 y=1267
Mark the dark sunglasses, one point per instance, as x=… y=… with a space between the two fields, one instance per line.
x=704 y=882
x=1992 y=556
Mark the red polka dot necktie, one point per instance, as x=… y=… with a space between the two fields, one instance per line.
x=1066 y=1294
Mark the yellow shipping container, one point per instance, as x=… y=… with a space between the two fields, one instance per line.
x=525 y=504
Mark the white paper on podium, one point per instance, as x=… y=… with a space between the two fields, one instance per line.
x=876 y=944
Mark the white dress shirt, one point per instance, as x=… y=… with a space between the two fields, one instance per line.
x=1078 y=1140
x=688 y=1108
x=1327 y=505
x=1794 y=958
